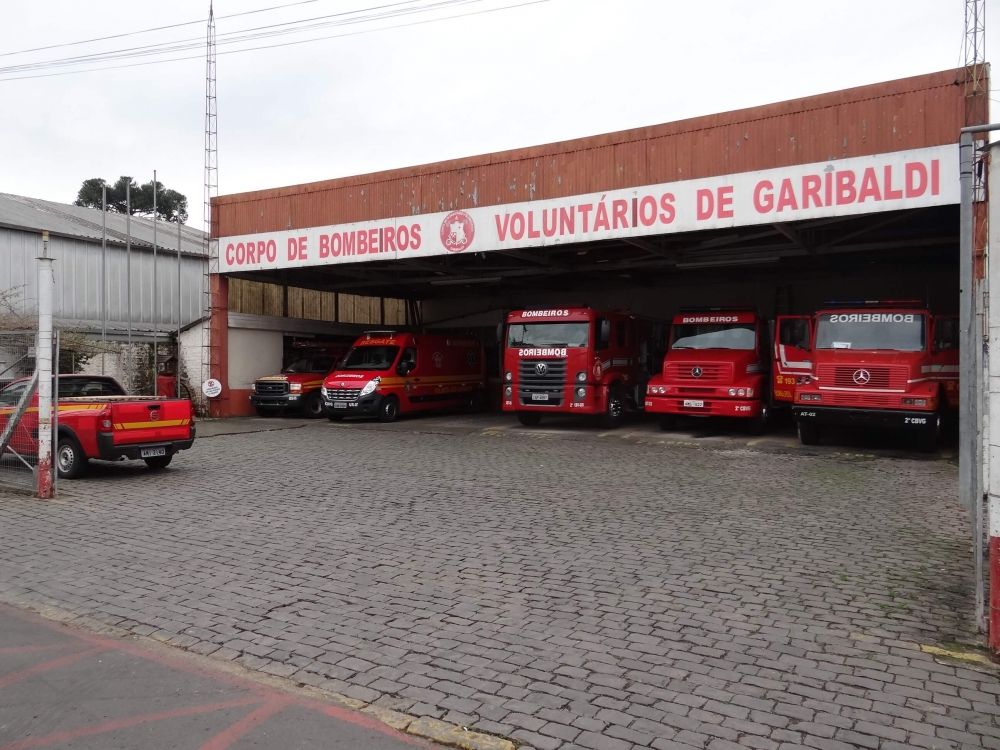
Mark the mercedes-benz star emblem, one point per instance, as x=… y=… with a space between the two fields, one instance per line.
x=695 y=372
x=541 y=368
x=861 y=377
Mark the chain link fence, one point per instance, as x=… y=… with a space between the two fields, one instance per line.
x=19 y=410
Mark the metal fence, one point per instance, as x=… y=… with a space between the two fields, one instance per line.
x=19 y=410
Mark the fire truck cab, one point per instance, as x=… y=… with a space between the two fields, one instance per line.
x=389 y=373
x=575 y=360
x=715 y=366
x=875 y=363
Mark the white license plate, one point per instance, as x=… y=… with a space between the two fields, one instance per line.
x=539 y=397
x=694 y=404
x=152 y=452
x=339 y=404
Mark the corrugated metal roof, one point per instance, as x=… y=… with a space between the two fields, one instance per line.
x=34 y=214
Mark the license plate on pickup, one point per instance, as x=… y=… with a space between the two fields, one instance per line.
x=152 y=452
x=691 y=404
x=539 y=397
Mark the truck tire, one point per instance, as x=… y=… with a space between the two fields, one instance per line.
x=389 y=410
x=529 y=418
x=158 y=462
x=312 y=406
x=668 y=422
x=809 y=433
x=70 y=459
x=614 y=409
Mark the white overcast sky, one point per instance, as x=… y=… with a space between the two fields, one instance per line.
x=402 y=96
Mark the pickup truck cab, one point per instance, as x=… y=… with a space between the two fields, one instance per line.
x=297 y=388
x=97 y=420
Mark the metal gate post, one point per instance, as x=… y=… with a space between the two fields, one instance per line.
x=43 y=363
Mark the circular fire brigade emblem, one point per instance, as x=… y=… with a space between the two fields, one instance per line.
x=861 y=377
x=457 y=231
x=541 y=368
x=695 y=372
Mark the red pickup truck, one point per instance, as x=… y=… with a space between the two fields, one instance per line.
x=97 y=420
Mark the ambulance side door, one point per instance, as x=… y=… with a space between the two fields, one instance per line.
x=792 y=356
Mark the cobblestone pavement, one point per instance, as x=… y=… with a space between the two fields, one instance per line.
x=565 y=588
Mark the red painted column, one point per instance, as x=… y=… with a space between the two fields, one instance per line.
x=218 y=332
x=993 y=606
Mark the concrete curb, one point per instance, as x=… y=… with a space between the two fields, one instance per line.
x=441 y=732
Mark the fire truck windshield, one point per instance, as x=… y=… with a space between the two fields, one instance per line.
x=548 y=334
x=370 y=358
x=901 y=332
x=740 y=336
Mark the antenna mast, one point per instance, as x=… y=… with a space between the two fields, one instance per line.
x=975 y=46
x=211 y=191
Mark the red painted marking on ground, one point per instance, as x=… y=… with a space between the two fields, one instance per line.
x=46 y=666
x=30 y=649
x=363 y=720
x=69 y=735
x=224 y=739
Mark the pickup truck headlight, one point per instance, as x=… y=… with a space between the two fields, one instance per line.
x=253 y=388
x=370 y=386
x=295 y=387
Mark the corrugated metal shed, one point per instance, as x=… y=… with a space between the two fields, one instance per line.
x=20 y=212
x=917 y=112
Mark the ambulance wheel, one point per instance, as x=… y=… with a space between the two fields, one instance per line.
x=70 y=460
x=312 y=407
x=758 y=425
x=158 y=462
x=614 y=410
x=389 y=410
x=529 y=418
x=927 y=439
x=808 y=433
x=668 y=422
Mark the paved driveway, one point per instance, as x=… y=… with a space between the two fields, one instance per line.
x=563 y=587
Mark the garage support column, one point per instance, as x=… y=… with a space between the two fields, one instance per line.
x=219 y=342
x=991 y=468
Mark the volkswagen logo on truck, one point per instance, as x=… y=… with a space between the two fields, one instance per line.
x=541 y=368
x=695 y=372
x=861 y=377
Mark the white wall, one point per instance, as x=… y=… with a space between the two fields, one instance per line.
x=252 y=354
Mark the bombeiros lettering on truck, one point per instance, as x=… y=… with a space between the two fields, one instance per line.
x=575 y=360
x=872 y=363
x=716 y=365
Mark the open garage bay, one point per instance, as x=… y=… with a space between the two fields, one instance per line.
x=564 y=587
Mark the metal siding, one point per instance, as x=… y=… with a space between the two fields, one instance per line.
x=898 y=115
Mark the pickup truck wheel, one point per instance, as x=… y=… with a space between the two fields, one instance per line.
x=158 y=462
x=389 y=411
x=614 y=410
x=808 y=433
x=529 y=418
x=312 y=407
x=70 y=459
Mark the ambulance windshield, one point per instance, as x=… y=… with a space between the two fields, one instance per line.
x=370 y=358
x=740 y=336
x=901 y=332
x=548 y=334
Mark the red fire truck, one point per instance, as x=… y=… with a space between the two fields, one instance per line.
x=715 y=366
x=874 y=363
x=574 y=360
x=389 y=373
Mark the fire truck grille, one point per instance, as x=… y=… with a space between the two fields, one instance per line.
x=343 y=394
x=271 y=387
x=714 y=372
x=542 y=388
x=859 y=376
x=874 y=400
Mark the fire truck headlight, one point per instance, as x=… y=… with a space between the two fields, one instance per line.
x=732 y=391
x=811 y=397
x=749 y=392
x=295 y=387
x=915 y=402
x=661 y=390
x=370 y=386
x=742 y=392
x=508 y=391
x=580 y=377
x=508 y=376
x=581 y=392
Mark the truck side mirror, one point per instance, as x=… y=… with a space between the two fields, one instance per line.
x=404 y=368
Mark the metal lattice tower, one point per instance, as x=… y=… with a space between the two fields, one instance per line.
x=975 y=45
x=211 y=185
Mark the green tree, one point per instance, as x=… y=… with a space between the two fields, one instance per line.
x=170 y=205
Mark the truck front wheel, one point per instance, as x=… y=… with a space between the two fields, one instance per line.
x=529 y=418
x=389 y=410
x=808 y=433
x=158 y=462
x=614 y=409
x=312 y=407
x=70 y=459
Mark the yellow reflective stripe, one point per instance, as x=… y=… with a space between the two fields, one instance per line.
x=158 y=423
